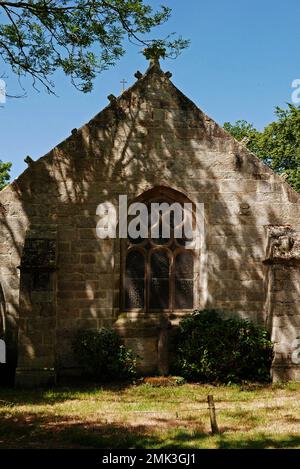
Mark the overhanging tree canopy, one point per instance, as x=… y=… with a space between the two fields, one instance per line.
x=4 y=174
x=80 y=37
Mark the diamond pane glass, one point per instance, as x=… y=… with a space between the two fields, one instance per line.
x=134 y=280
x=159 y=280
x=160 y=264
x=184 y=265
x=184 y=281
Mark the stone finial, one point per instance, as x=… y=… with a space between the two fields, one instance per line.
x=154 y=53
x=28 y=160
x=168 y=74
x=111 y=98
x=138 y=75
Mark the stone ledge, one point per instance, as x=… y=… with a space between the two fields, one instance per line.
x=30 y=378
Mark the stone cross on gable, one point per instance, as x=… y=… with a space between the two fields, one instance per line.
x=124 y=82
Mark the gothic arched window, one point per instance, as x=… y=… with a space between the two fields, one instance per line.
x=159 y=271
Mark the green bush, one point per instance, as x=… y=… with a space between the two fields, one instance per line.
x=212 y=349
x=102 y=355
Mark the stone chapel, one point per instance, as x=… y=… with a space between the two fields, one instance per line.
x=151 y=144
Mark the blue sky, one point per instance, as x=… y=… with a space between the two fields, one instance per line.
x=243 y=57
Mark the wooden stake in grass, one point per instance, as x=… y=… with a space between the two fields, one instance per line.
x=212 y=415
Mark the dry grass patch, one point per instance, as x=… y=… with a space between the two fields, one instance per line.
x=148 y=416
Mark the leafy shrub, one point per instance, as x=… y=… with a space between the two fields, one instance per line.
x=103 y=356
x=212 y=349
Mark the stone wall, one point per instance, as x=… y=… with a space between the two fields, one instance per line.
x=151 y=136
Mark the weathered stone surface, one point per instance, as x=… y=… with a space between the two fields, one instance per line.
x=149 y=137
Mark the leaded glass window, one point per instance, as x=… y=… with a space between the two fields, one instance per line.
x=159 y=294
x=135 y=280
x=159 y=271
x=183 y=280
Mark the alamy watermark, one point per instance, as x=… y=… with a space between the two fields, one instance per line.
x=2 y=92
x=2 y=351
x=296 y=351
x=295 y=96
x=154 y=220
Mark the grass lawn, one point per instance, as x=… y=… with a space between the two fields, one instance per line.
x=150 y=417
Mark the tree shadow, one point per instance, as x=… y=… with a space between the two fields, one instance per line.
x=260 y=441
x=151 y=136
x=40 y=431
x=62 y=431
x=61 y=393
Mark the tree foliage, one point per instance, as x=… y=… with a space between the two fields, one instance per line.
x=212 y=349
x=278 y=145
x=102 y=355
x=4 y=174
x=80 y=37
x=244 y=132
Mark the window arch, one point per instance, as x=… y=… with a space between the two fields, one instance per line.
x=159 y=272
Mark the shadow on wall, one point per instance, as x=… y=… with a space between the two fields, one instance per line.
x=151 y=136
